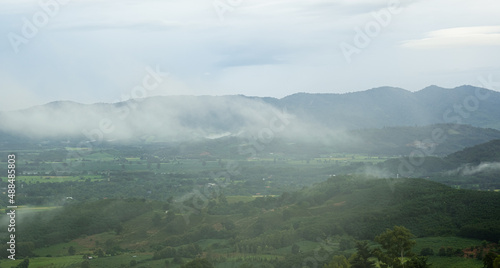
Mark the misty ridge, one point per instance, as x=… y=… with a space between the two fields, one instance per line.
x=468 y=169
x=325 y=118
x=177 y=118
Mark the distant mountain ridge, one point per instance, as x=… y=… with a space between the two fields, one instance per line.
x=194 y=117
x=389 y=106
x=481 y=153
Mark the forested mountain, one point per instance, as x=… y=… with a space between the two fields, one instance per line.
x=486 y=152
x=388 y=106
x=475 y=167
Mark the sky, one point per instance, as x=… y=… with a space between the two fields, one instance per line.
x=91 y=51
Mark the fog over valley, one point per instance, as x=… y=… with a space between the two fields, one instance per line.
x=313 y=117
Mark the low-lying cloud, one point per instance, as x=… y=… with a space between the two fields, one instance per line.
x=173 y=118
x=469 y=170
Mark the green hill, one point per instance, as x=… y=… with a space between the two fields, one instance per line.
x=475 y=167
x=486 y=152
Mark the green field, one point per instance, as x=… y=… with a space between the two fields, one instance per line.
x=454 y=262
x=437 y=242
x=53 y=179
x=46 y=262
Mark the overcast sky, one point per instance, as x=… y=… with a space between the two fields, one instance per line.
x=104 y=51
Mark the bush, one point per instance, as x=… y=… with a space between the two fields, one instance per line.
x=427 y=252
x=442 y=252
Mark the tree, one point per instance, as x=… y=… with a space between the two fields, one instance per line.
x=345 y=244
x=118 y=228
x=85 y=264
x=99 y=252
x=449 y=251
x=177 y=260
x=427 y=252
x=442 y=252
x=222 y=199
x=170 y=216
x=361 y=258
x=338 y=262
x=198 y=263
x=490 y=259
x=396 y=245
x=71 y=250
x=229 y=225
x=287 y=214
x=295 y=249
x=156 y=219
x=417 y=262
x=24 y=264
x=26 y=249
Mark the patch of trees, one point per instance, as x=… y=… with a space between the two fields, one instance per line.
x=198 y=263
x=72 y=221
x=492 y=260
x=187 y=251
x=266 y=242
x=489 y=230
x=395 y=251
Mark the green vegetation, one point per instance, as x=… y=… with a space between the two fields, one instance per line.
x=281 y=230
x=153 y=206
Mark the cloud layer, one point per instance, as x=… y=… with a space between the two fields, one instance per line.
x=469 y=170
x=458 y=37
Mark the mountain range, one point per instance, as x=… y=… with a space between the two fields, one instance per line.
x=389 y=106
x=302 y=115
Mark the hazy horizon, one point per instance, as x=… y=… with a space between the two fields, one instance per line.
x=231 y=95
x=101 y=51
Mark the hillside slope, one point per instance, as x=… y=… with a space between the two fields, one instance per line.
x=344 y=207
x=485 y=152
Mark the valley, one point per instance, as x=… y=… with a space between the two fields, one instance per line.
x=289 y=192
